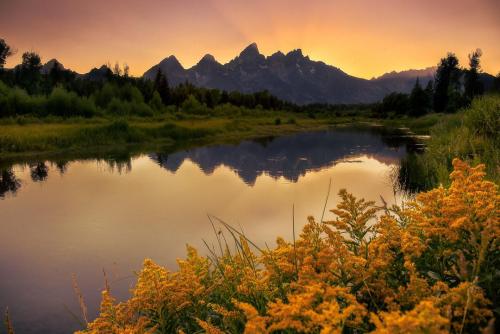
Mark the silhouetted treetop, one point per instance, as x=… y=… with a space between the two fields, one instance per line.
x=31 y=61
x=472 y=84
x=447 y=83
x=5 y=52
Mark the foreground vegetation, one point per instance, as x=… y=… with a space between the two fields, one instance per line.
x=430 y=266
x=472 y=134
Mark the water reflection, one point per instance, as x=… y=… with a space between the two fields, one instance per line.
x=8 y=182
x=82 y=216
x=290 y=156
x=39 y=172
x=62 y=166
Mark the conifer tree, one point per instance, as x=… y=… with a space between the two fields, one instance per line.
x=5 y=52
x=162 y=87
x=447 y=84
x=418 y=100
x=472 y=85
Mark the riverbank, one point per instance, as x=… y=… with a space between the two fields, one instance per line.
x=81 y=136
x=24 y=139
x=472 y=134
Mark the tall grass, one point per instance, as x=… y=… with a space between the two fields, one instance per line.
x=63 y=136
x=473 y=135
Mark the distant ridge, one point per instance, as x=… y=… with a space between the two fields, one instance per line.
x=405 y=80
x=292 y=77
x=412 y=73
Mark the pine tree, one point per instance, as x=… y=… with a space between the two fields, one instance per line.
x=5 y=52
x=29 y=72
x=473 y=86
x=447 y=84
x=162 y=87
x=418 y=100
x=429 y=92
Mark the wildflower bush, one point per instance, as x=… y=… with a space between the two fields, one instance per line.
x=431 y=266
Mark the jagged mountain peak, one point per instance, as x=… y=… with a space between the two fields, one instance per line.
x=171 y=61
x=277 y=54
x=252 y=47
x=295 y=53
x=208 y=58
x=250 y=51
x=207 y=65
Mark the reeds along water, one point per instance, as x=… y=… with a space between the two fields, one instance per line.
x=472 y=135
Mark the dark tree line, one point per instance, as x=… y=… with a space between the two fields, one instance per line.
x=5 y=52
x=30 y=88
x=453 y=88
x=109 y=89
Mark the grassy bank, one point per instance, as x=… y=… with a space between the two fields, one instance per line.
x=429 y=267
x=49 y=137
x=473 y=134
x=25 y=138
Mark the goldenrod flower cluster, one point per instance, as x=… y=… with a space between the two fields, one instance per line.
x=431 y=266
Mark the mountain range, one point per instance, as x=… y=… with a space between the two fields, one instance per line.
x=292 y=77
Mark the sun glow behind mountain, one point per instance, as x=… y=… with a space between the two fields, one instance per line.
x=364 y=38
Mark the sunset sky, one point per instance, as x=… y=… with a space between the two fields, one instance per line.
x=363 y=38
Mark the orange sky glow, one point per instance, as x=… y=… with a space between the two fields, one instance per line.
x=363 y=38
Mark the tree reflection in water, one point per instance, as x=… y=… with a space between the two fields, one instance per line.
x=288 y=156
x=8 y=182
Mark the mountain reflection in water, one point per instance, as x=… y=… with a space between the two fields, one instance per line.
x=289 y=157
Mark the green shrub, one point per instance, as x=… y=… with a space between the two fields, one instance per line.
x=192 y=106
x=117 y=107
x=141 y=109
x=15 y=101
x=130 y=93
x=155 y=103
x=68 y=104
x=484 y=116
x=105 y=95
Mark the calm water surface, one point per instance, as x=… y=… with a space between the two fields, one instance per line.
x=85 y=216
